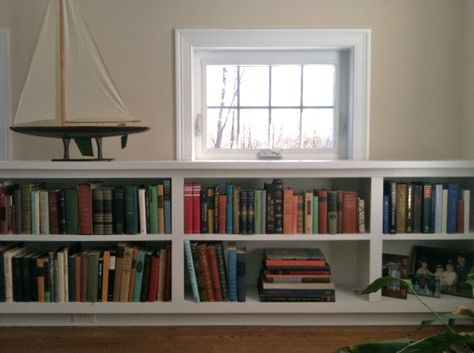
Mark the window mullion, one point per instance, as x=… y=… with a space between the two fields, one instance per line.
x=270 y=136
x=301 y=107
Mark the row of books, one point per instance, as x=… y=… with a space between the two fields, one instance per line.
x=124 y=274
x=295 y=275
x=214 y=276
x=271 y=210
x=85 y=208
x=425 y=208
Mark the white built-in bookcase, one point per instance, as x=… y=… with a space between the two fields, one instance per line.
x=356 y=259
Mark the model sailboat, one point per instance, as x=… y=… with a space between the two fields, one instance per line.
x=68 y=92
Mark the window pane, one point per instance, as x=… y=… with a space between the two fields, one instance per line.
x=219 y=127
x=318 y=127
x=254 y=85
x=318 y=85
x=221 y=87
x=286 y=85
x=253 y=128
x=285 y=128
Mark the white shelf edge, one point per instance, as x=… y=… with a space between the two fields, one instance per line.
x=277 y=237
x=84 y=238
x=427 y=236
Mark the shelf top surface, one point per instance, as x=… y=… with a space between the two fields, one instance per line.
x=232 y=164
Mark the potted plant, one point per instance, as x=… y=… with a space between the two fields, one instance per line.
x=448 y=341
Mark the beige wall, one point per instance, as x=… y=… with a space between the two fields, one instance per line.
x=468 y=82
x=416 y=94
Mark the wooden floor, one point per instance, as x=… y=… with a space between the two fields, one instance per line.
x=246 y=339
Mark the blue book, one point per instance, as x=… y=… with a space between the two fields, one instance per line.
x=131 y=209
x=386 y=214
x=139 y=275
x=167 y=197
x=192 y=273
x=241 y=274
x=232 y=273
x=453 y=196
x=230 y=209
x=153 y=207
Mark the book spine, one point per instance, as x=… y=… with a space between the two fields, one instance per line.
x=222 y=270
x=386 y=214
x=393 y=206
x=349 y=213
x=3 y=212
x=191 y=272
x=230 y=209
x=119 y=210
x=139 y=269
x=417 y=208
x=278 y=200
x=251 y=212
x=196 y=208
x=453 y=195
x=142 y=210
x=167 y=206
x=361 y=215
x=206 y=272
x=153 y=202
x=26 y=208
x=211 y=206
x=426 y=218
x=98 y=211
x=161 y=208
x=244 y=201
x=72 y=215
x=162 y=276
x=108 y=212
x=316 y=214
x=332 y=212
x=85 y=209
x=214 y=272
x=287 y=210
x=308 y=213
x=299 y=214
x=188 y=208
x=232 y=272
x=197 y=270
x=401 y=208
x=466 y=198
x=126 y=273
x=323 y=211
x=236 y=210
x=241 y=275
x=131 y=209
x=222 y=214
x=204 y=212
x=444 y=212
x=44 y=212
x=410 y=220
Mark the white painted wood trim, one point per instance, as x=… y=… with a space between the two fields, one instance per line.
x=5 y=104
x=187 y=41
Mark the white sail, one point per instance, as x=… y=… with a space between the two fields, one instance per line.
x=90 y=96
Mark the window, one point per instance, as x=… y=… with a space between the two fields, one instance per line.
x=296 y=94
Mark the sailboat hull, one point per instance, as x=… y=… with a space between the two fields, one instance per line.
x=78 y=131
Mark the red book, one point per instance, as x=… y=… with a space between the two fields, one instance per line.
x=460 y=221
x=196 y=208
x=287 y=211
x=3 y=212
x=85 y=208
x=188 y=208
x=349 y=212
x=323 y=211
x=222 y=214
x=154 y=279
x=214 y=270
x=53 y=212
x=205 y=272
x=167 y=297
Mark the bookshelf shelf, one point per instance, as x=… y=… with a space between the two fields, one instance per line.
x=356 y=259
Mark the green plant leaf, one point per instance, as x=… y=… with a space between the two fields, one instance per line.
x=438 y=343
x=446 y=318
x=392 y=346
x=381 y=282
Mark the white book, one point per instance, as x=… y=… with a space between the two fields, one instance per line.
x=44 y=211
x=35 y=212
x=142 y=210
x=59 y=277
x=444 y=212
x=466 y=198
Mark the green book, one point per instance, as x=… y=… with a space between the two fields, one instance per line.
x=92 y=275
x=72 y=212
x=258 y=211
x=131 y=209
x=315 y=214
x=153 y=207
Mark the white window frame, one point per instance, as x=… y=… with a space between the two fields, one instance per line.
x=5 y=107
x=189 y=42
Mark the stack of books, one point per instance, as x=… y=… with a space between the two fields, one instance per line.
x=215 y=277
x=296 y=275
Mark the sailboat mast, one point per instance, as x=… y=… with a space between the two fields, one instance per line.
x=62 y=63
